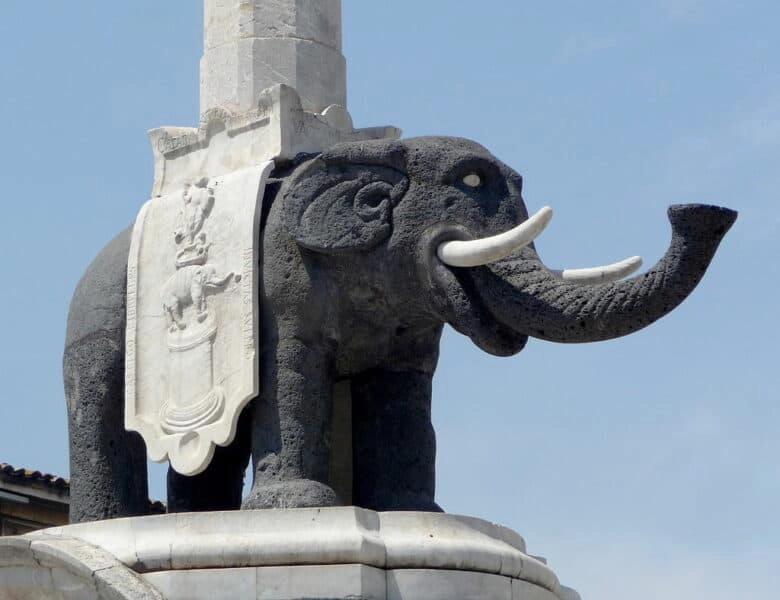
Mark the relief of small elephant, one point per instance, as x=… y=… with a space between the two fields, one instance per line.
x=188 y=286
x=368 y=250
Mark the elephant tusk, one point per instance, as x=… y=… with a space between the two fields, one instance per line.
x=474 y=253
x=603 y=274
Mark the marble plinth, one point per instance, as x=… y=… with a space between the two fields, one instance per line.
x=318 y=554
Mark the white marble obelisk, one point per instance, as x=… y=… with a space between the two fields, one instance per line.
x=252 y=45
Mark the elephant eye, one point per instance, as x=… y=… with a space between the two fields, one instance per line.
x=472 y=180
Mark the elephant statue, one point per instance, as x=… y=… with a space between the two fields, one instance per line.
x=188 y=286
x=368 y=249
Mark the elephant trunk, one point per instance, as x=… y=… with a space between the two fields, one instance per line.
x=524 y=295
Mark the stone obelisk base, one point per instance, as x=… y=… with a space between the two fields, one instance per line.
x=317 y=554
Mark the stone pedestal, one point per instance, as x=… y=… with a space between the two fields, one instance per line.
x=317 y=554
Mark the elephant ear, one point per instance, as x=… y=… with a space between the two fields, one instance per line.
x=343 y=200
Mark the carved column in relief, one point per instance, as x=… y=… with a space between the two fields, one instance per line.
x=193 y=400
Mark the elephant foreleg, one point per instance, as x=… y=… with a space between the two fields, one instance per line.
x=199 y=301
x=291 y=428
x=394 y=446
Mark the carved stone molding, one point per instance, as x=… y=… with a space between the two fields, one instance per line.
x=278 y=127
x=317 y=553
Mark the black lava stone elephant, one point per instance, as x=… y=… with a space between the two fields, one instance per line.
x=368 y=249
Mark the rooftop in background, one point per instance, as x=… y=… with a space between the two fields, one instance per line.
x=31 y=500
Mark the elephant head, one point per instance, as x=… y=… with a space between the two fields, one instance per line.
x=453 y=220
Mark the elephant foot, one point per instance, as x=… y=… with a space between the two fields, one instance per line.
x=299 y=493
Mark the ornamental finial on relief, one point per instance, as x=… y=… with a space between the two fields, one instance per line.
x=197 y=202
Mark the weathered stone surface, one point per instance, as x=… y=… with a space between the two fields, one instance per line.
x=205 y=583
x=76 y=556
x=316 y=21
x=438 y=584
x=253 y=45
x=321 y=581
x=118 y=583
x=192 y=296
x=343 y=535
x=15 y=551
x=337 y=553
x=523 y=590
x=331 y=582
x=57 y=567
x=27 y=583
x=343 y=582
x=73 y=586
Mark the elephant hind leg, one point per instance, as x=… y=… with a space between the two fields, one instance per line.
x=173 y=310
x=107 y=463
x=108 y=475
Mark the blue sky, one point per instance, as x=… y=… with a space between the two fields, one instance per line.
x=644 y=467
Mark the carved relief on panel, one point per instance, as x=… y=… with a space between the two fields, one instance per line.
x=191 y=328
x=191 y=339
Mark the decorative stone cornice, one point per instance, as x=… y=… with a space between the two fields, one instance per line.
x=278 y=128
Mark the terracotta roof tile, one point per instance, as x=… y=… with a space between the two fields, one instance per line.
x=56 y=482
x=34 y=476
